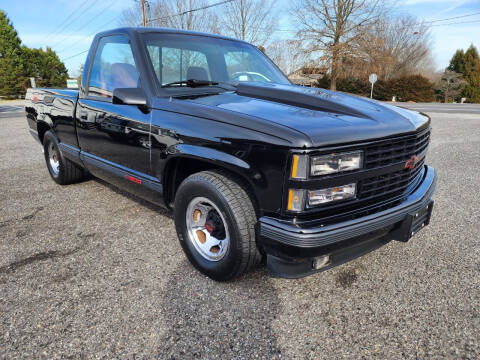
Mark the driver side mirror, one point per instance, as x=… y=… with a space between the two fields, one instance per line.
x=129 y=96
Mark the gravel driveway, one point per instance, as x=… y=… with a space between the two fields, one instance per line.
x=88 y=271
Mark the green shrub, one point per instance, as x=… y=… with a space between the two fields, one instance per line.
x=406 y=88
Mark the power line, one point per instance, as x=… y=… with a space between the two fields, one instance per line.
x=89 y=21
x=191 y=10
x=457 y=23
x=74 y=11
x=60 y=40
x=95 y=31
x=451 y=18
x=72 y=21
x=91 y=34
x=453 y=23
x=71 y=57
x=228 y=1
x=179 y=14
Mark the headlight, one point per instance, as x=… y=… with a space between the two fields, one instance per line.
x=297 y=201
x=303 y=166
x=322 y=196
x=334 y=163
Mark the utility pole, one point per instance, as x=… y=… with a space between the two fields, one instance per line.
x=143 y=14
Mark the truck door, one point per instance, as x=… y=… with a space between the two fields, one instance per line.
x=113 y=138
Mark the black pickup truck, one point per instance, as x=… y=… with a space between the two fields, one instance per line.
x=253 y=167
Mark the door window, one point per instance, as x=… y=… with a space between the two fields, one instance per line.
x=113 y=67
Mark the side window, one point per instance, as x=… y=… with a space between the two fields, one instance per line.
x=113 y=67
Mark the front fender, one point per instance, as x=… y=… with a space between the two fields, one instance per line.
x=198 y=158
x=209 y=155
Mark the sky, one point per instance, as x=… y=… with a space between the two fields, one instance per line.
x=68 y=26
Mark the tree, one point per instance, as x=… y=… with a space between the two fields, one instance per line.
x=468 y=64
x=11 y=69
x=457 y=62
x=19 y=63
x=332 y=27
x=471 y=62
x=410 y=88
x=249 y=20
x=166 y=13
x=133 y=16
x=174 y=14
x=393 y=47
x=405 y=88
x=44 y=66
x=451 y=85
x=287 y=55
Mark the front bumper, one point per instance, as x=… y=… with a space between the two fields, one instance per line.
x=291 y=250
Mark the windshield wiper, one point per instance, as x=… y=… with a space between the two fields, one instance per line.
x=193 y=83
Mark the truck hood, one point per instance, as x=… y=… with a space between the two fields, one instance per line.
x=325 y=117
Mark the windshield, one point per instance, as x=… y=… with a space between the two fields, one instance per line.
x=180 y=57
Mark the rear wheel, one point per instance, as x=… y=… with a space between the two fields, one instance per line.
x=62 y=170
x=215 y=221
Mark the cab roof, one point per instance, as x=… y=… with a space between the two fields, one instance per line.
x=142 y=30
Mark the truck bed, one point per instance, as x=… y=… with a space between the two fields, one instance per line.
x=54 y=107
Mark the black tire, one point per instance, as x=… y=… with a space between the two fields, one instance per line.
x=237 y=209
x=67 y=172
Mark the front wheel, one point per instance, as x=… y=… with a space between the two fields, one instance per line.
x=215 y=221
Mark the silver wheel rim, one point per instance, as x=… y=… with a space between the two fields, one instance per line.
x=53 y=159
x=207 y=245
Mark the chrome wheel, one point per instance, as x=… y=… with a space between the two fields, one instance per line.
x=207 y=229
x=53 y=159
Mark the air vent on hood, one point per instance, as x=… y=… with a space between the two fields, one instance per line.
x=314 y=99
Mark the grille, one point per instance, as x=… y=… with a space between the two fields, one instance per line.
x=380 y=192
x=387 y=153
x=396 y=150
x=388 y=185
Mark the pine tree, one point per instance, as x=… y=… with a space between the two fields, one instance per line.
x=471 y=74
x=44 y=66
x=457 y=62
x=11 y=69
x=19 y=63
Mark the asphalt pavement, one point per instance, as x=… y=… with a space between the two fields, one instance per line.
x=89 y=271
x=450 y=108
x=10 y=108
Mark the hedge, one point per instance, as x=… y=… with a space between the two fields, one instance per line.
x=406 y=88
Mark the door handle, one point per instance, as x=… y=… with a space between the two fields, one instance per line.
x=83 y=115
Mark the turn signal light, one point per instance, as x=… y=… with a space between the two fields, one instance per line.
x=299 y=167
x=296 y=200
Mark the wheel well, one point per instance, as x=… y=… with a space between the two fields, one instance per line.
x=179 y=169
x=42 y=128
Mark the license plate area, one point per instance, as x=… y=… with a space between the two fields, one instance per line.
x=414 y=222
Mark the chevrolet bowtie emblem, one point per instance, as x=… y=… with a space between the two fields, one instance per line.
x=410 y=164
